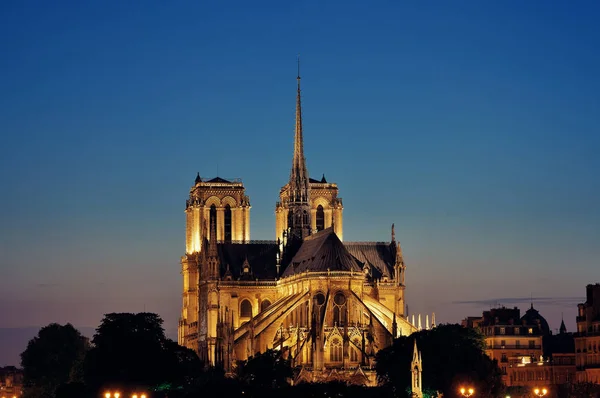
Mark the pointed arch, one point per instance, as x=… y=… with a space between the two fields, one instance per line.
x=265 y=304
x=227 y=223
x=320 y=218
x=245 y=309
x=213 y=217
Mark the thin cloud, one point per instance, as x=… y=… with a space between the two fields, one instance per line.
x=507 y=301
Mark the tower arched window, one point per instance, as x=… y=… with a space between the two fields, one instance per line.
x=213 y=219
x=227 y=223
x=305 y=218
x=320 y=218
x=245 y=309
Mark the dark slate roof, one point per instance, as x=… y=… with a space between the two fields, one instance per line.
x=262 y=258
x=380 y=256
x=321 y=252
x=321 y=181
x=219 y=179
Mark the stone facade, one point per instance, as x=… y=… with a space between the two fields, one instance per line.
x=587 y=338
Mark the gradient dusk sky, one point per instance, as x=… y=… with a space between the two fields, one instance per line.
x=471 y=125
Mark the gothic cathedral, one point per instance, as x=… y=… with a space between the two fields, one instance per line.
x=328 y=305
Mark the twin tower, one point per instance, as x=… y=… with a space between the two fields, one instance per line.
x=305 y=205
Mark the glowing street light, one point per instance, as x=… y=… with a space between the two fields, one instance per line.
x=467 y=392
x=540 y=392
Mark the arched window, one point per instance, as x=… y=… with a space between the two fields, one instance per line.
x=213 y=219
x=339 y=307
x=245 y=309
x=227 y=223
x=354 y=351
x=265 y=304
x=335 y=350
x=305 y=218
x=320 y=218
x=336 y=316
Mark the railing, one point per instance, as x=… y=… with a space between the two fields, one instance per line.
x=249 y=242
x=367 y=243
x=261 y=283
x=514 y=347
x=230 y=181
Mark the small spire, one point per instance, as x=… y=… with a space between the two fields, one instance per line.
x=323 y=180
x=563 y=328
x=393 y=233
x=198 y=179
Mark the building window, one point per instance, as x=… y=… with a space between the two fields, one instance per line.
x=518 y=343
x=517 y=330
x=339 y=302
x=335 y=350
x=227 y=223
x=531 y=343
x=245 y=309
x=502 y=343
x=354 y=352
x=502 y=330
x=212 y=220
x=504 y=358
x=530 y=330
x=264 y=305
x=320 y=218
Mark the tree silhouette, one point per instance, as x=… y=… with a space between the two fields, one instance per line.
x=131 y=350
x=52 y=358
x=452 y=355
x=266 y=370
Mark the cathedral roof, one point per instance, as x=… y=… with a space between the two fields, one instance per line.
x=322 y=252
x=261 y=256
x=380 y=256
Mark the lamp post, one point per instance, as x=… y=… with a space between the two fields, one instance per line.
x=540 y=392
x=467 y=392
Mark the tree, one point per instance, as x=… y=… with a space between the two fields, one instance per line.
x=266 y=370
x=452 y=356
x=131 y=350
x=51 y=359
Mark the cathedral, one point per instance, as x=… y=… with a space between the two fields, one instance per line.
x=327 y=304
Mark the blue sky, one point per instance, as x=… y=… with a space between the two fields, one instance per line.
x=472 y=126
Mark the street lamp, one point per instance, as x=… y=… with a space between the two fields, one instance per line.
x=467 y=392
x=540 y=392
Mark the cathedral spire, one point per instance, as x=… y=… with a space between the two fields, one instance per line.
x=299 y=184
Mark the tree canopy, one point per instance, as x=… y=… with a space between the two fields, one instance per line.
x=132 y=350
x=52 y=358
x=267 y=370
x=453 y=356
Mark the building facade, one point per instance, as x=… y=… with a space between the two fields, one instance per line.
x=11 y=382
x=587 y=338
x=329 y=305
x=526 y=352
